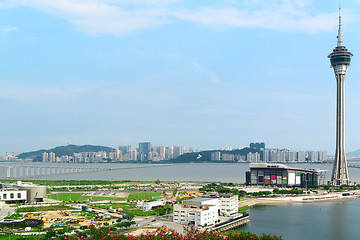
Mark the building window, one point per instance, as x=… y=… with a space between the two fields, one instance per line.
x=4 y=196
x=11 y=195
x=19 y=195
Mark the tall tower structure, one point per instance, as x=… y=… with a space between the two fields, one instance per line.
x=340 y=60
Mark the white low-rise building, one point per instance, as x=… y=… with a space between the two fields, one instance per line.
x=13 y=196
x=229 y=205
x=198 y=212
x=146 y=206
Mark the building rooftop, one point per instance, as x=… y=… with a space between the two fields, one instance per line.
x=282 y=166
x=198 y=200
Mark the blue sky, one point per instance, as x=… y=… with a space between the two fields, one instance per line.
x=206 y=74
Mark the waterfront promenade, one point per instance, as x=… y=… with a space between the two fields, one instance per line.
x=348 y=195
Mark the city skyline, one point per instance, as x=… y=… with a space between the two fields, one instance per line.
x=173 y=72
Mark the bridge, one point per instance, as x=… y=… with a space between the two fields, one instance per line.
x=29 y=171
x=354 y=166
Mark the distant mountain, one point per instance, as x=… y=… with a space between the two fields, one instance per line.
x=36 y=156
x=353 y=154
x=205 y=156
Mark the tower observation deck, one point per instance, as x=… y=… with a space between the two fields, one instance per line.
x=340 y=60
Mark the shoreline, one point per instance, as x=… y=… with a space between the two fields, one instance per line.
x=299 y=199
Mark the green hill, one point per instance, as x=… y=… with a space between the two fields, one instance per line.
x=36 y=156
x=205 y=156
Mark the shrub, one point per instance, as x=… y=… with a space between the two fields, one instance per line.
x=95 y=233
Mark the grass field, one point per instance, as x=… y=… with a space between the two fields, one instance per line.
x=83 y=182
x=128 y=208
x=44 y=208
x=67 y=196
x=142 y=195
x=72 y=196
x=19 y=237
x=243 y=209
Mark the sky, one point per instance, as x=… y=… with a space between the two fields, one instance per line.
x=202 y=74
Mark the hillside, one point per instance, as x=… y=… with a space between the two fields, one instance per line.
x=63 y=150
x=205 y=156
x=353 y=154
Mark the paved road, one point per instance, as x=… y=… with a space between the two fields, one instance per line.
x=6 y=211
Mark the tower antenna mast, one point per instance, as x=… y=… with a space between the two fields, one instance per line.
x=340 y=40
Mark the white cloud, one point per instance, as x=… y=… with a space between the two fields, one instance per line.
x=123 y=17
x=286 y=19
x=100 y=17
x=9 y=29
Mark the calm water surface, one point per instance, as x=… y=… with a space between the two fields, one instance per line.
x=338 y=220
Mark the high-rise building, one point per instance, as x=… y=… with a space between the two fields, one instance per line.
x=259 y=145
x=169 y=153
x=52 y=157
x=340 y=60
x=161 y=151
x=253 y=157
x=144 y=149
x=291 y=156
x=178 y=150
x=266 y=156
x=215 y=156
x=323 y=156
x=301 y=156
x=313 y=156
x=125 y=149
x=45 y=157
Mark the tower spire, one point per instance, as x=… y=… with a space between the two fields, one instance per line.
x=340 y=40
x=340 y=60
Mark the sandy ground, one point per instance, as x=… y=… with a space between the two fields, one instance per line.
x=252 y=202
x=140 y=231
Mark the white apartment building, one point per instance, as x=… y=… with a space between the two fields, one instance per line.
x=323 y=156
x=215 y=156
x=253 y=157
x=301 y=156
x=45 y=157
x=313 y=156
x=197 y=212
x=13 y=196
x=229 y=205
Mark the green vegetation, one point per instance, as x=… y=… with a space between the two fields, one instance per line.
x=128 y=208
x=72 y=182
x=64 y=150
x=247 y=235
x=66 y=197
x=44 y=208
x=15 y=216
x=131 y=210
x=179 y=200
x=206 y=155
x=243 y=209
x=192 y=233
x=163 y=210
x=144 y=195
x=221 y=188
x=19 y=237
x=78 y=197
x=277 y=191
x=56 y=233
